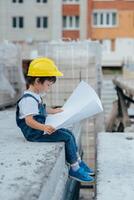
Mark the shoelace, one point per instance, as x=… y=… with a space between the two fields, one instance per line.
x=86 y=168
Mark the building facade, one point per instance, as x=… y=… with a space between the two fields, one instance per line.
x=43 y=20
x=74 y=17
x=110 y=19
x=46 y=20
x=28 y=20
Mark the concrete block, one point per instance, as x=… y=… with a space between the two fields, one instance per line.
x=31 y=170
x=115 y=161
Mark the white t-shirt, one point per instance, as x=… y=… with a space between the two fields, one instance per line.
x=28 y=105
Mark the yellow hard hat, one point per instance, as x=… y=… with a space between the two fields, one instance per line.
x=43 y=67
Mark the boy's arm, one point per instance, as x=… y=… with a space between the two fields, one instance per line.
x=53 y=110
x=36 y=125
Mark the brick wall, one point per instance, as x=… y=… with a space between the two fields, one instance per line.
x=73 y=34
x=71 y=10
x=125 y=20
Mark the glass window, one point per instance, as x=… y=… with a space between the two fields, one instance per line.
x=45 y=22
x=101 y=18
x=21 y=22
x=41 y=1
x=18 y=22
x=95 y=18
x=114 y=20
x=38 y=22
x=105 y=18
x=14 y=22
x=70 y=21
x=42 y=22
x=17 y=1
x=64 y=22
x=77 y=21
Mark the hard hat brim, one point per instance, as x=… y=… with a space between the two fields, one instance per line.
x=58 y=73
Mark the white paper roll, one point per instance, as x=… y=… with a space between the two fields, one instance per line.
x=83 y=103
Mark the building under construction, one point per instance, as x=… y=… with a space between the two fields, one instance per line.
x=39 y=170
x=78 y=61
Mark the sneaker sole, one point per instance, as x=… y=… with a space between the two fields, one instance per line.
x=91 y=174
x=81 y=180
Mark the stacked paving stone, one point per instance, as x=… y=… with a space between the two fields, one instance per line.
x=78 y=61
x=11 y=78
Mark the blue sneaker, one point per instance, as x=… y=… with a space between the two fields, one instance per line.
x=87 y=169
x=80 y=175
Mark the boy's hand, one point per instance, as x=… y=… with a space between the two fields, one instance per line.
x=57 y=110
x=49 y=129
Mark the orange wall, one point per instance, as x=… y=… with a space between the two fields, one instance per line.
x=71 y=10
x=125 y=28
x=73 y=34
x=117 y=4
x=89 y=18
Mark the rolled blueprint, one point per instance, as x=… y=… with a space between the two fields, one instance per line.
x=83 y=103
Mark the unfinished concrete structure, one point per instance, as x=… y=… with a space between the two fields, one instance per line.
x=115 y=156
x=12 y=81
x=31 y=171
x=115 y=147
x=78 y=61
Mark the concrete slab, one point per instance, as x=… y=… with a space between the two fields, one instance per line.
x=29 y=171
x=115 y=166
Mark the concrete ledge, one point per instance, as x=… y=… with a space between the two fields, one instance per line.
x=115 y=166
x=29 y=170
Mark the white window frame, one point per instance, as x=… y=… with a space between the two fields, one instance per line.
x=41 y=22
x=74 y=23
x=18 y=22
x=105 y=12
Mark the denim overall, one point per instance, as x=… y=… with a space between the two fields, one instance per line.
x=28 y=132
x=60 y=135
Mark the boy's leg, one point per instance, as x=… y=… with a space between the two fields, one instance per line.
x=62 y=136
x=75 y=172
x=70 y=132
x=81 y=162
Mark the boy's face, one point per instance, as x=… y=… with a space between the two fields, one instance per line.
x=45 y=87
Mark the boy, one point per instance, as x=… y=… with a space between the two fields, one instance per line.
x=31 y=115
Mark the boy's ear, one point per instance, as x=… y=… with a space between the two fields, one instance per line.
x=37 y=80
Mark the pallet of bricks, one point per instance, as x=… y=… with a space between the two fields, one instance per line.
x=78 y=61
x=11 y=78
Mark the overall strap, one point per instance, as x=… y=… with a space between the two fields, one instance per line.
x=28 y=95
